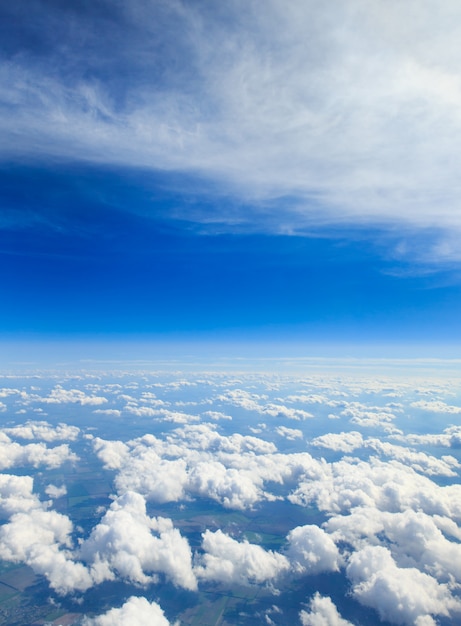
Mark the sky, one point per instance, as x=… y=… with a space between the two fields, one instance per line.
x=232 y=173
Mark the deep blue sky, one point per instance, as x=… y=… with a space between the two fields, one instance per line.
x=186 y=172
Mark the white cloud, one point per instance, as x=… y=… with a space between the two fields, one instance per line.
x=436 y=406
x=43 y=430
x=311 y=550
x=390 y=486
x=322 y=612
x=252 y=402
x=289 y=433
x=59 y=395
x=123 y=544
x=56 y=492
x=451 y=437
x=160 y=480
x=340 y=442
x=135 y=612
x=369 y=416
x=16 y=494
x=400 y=595
x=414 y=538
x=232 y=488
x=336 y=105
x=420 y=461
x=216 y=415
x=230 y=561
x=111 y=453
x=37 y=537
x=12 y=454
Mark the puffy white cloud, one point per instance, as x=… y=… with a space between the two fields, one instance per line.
x=420 y=461
x=205 y=437
x=8 y=391
x=110 y=412
x=390 y=486
x=400 y=595
x=37 y=537
x=135 y=612
x=230 y=561
x=12 y=454
x=178 y=417
x=313 y=398
x=56 y=492
x=158 y=479
x=414 y=538
x=436 y=406
x=123 y=544
x=322 y=612
x=340 y=442
x=311 y=550
x=59 y=395
x=251 y=402
x=141 y=411
x=450 y=438
x=43 y=430
x=370 y=416
x=216 y=415
x=16 y=494
x=232 y=488
x=111 y=453
x=289 y=433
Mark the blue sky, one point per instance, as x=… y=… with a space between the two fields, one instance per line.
x=231 y=173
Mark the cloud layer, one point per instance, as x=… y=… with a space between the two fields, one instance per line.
x=211 y=507
x=339 y=107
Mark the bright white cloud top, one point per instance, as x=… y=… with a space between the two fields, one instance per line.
x=348 y=520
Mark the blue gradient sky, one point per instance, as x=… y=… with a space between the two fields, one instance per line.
x=247 y=172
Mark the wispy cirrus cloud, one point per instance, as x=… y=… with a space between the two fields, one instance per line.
x=327 y=114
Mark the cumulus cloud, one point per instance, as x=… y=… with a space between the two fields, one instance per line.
x=56 y=492
x=123 y=544
x=420 y=461
x=414 y=538
x=216 y=415
x=289 y=433
x=135 y=612
x=340 y=442
x=44 y=431
x=12 y=454
x=257 y=403
x=230 y=561
x=59 y=395
x=449 y=438
x=400 y=595
x=112 y=412
x=233 y=488
x=16 y=494
x=391 y=486
x=311 y=550
x=436 y=406
x=39 y=538
x=370 y=417
x=322 y=612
